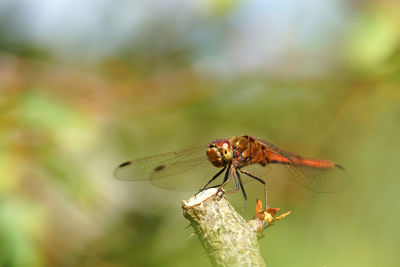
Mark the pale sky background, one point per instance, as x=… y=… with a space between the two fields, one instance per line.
x=254 y=35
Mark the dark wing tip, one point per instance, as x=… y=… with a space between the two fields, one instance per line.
x=339 y=166
x=124 y=164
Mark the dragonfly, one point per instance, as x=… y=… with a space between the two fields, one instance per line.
x=232 y=158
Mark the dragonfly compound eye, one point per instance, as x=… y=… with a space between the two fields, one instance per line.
x=220 y=152
x=215 y=157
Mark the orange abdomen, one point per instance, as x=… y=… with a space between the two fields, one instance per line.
x=315 y=163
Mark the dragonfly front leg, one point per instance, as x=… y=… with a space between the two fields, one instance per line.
x=226 y=178
x=239 y=184
x=235 y=177
x=212 y=179
x=243 y=192
x=261 y=181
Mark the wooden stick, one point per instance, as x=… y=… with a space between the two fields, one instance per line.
x=227 y=238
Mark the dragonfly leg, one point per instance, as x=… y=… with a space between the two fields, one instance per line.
x=239 y=185
x=212 y=179
x=261 y=181
x=243 y=192
x=235 y=177
x=227 y=177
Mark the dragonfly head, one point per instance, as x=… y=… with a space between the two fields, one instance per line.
x=219 y=152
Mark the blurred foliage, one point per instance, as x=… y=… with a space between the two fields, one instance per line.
x=69 y=117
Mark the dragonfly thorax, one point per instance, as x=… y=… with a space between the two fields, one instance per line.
x=219 y=152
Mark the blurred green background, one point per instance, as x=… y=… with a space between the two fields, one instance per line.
x=85 y=86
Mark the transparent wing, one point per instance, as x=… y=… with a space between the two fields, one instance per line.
x=314 y=178
x=184 y=170
x=320 y=180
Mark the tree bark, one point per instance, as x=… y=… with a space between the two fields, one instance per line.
x=227 y=238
